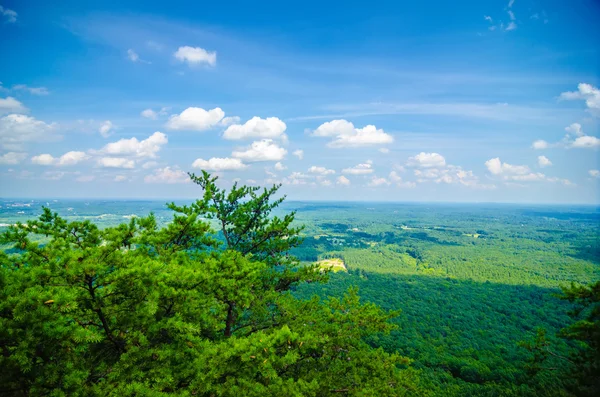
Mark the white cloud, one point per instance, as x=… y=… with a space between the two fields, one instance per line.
x=497 y=167
x=342 y=180
x=53 y=175
x=115 y=162
x=510 y=26
x=299 y=153
x=263 y=150
x=544 y=161
x=540 y=144
x=12 y=158
x=43 y=159
x=574 y=130
x=11 y=105
x=219 y=164
x=296 y=178
x=586 y=142
x=152 y=114
x=488 y=18
x=195 y=56
x=320 y=170
x=10 y=16
x=396 y=179
x=280 y=167
x=132 y=55
x=196 y=119
x=344 y=134
x=384 y=150
x=586 y=92
x=71 y=158
x=149 y=164
x=375 y=181
x=360 y=169
x=227 y=121
x=85 y=178
x=594 y=173
x=427 y=160
x=120 y=178
x=106 y=128
x=31 y=90
x=271 y=128
x=167 y=175
x=149 y=114
x=148 y=147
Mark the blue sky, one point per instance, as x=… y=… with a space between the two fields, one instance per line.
x=469 y=101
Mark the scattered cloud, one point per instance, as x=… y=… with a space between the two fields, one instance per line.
x=148 y=147
x=426 y=160
x=299 y=153
x=12 y=158
x=85 y=178
x=544 y=161
x=120 y=178
x=342 y=180
x=194 y=56
x=106 y=128
x=280 y=167
x=115 y=162
x=149 y=164
x=594 y=173
x=11 y=105
x=263 y=150
x=167 y=175
x=153 y=115
x=540 y=144
x=43 y=159
x=9 y=15
x=18 y=129
x=588 y=93
x=344 y=134
x=384 y=150
x=220 y=164
x=396 y=179
x=270 y=128
x=375 y=182
x=360 y=169
x=195 y=119
x=320 y=170
x=32 y=90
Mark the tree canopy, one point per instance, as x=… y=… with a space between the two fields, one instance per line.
x=201 y=306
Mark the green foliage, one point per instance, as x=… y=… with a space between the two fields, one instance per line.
x=139 y=309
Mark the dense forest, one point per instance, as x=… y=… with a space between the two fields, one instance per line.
x=233 y=294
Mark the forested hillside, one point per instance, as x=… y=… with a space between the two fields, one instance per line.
x=237 y=294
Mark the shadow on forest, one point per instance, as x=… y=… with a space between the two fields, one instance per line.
x=466 y=329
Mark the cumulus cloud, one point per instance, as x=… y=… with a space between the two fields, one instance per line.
x=219 y=164
x=396 y=179
x=320 y=170
x=11 y=105
x=427 y=160
x=263 y=150
x=270 y=128
x=344 y=134
x=360 y=169
x=296 y=178
x=544 y=161
x=375 y=182
x=518 y=173
x=43 y=159
x=540 y=144
x=12 y=158
x=115 y=162
x=343 y=181
x=149 y=164
x=167 y=175
x=106 y=128
x=586 y=92
x=280 y=167
x=9 y=15
x=574 y=138
x=71 y=158
x=17 y=129
x=195 y=119
x=194 y=56
x=148 y=147
x=299 y=153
